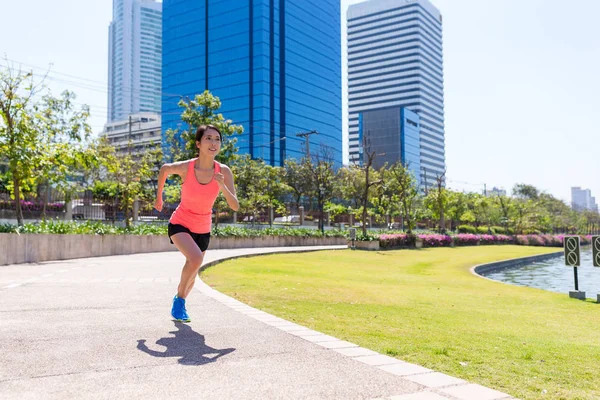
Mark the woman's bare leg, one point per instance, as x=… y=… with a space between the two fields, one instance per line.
x=186 y=245
x=193 y=279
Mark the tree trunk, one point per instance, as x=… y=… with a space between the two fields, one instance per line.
x=18 y=208
x=126 y=210
x=46 y=197
x=298 y=197
x=442 y=222
x=114 y=213
x=365 y=201
x=321 y=219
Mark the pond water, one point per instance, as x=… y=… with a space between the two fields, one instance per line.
x=554 y=275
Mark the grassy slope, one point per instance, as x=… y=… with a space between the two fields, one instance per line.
x=426 y=307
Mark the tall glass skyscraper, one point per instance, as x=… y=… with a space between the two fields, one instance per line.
x=134 y=58
x=275 y=65
x=395 y=60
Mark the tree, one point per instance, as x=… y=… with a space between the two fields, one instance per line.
x=524 y=191
x=457 y=206
x=124 y=176
x=273 y=186
x=385 y=200
x=590 y=222
x=334 y=209
x=506 y=209
x=298 y=177
x=369 y=181
x=201 y=110
x=407 y=193
x=323 y=182
x=482 y=207
x=31 y=130
x=252 y=184
x=350 y=185
x=18 y=133
x=437 y=201
x=66 y=152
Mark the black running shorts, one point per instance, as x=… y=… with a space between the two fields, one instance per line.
x=201 y=239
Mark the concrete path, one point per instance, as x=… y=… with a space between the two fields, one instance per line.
x=100 y=328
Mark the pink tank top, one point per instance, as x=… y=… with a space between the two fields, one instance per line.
x=197 y=200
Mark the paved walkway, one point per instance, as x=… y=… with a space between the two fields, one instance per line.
x=100 y=328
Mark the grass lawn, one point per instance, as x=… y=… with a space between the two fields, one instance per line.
x=425 y=307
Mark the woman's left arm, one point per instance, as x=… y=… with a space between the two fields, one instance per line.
x=225 y=181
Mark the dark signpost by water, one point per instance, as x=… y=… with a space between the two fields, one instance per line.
x=596 y=251
x=573 y=259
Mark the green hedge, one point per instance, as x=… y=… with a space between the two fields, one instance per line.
x=99 y=228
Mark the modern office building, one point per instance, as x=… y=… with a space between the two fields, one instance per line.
x=393 y=135
x=134 y=135
x=134 y=58
x=274 y=64
x=581 y=200
x=395 y=60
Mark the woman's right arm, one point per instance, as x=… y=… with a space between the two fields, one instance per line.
x=178 y=168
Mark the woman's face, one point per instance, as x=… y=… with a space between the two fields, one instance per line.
x=210 y=143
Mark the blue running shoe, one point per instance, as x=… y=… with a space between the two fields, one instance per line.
x=178 y=311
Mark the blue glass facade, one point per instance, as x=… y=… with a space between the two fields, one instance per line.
x=393 y=134
x=275 y=65
x=410 y=136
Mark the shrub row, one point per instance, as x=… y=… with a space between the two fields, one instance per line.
x=391 y=241
x=100 y=228
x=496 y=230
x=386 y=240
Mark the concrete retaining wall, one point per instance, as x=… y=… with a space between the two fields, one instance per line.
x=30 y=248
x=513 y=263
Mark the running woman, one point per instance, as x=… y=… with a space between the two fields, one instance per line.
x=190 y=224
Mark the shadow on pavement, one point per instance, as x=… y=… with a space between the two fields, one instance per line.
x=187 y=344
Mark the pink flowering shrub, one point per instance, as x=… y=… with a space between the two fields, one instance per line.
x=552 y=241
x=504 y=239
x=31 y=206
x=535 y=240
x=469 y=239
x=542 y=240
x=487 y=239
x=522 y=240
x=396 y=240
x=466 y=239
x=435 y=240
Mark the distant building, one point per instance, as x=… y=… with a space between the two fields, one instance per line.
x=275 y=65
x=581 y=200
x=145 y=133
x=393 y=134
x=134 y=58
x=395 y=59
x=496 y=192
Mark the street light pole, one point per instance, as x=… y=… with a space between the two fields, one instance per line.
x=306 y=135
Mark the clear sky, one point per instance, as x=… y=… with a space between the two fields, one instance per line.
x=522 y=82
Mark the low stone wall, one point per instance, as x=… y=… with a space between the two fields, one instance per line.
x=513 y=263
x=30 y=248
